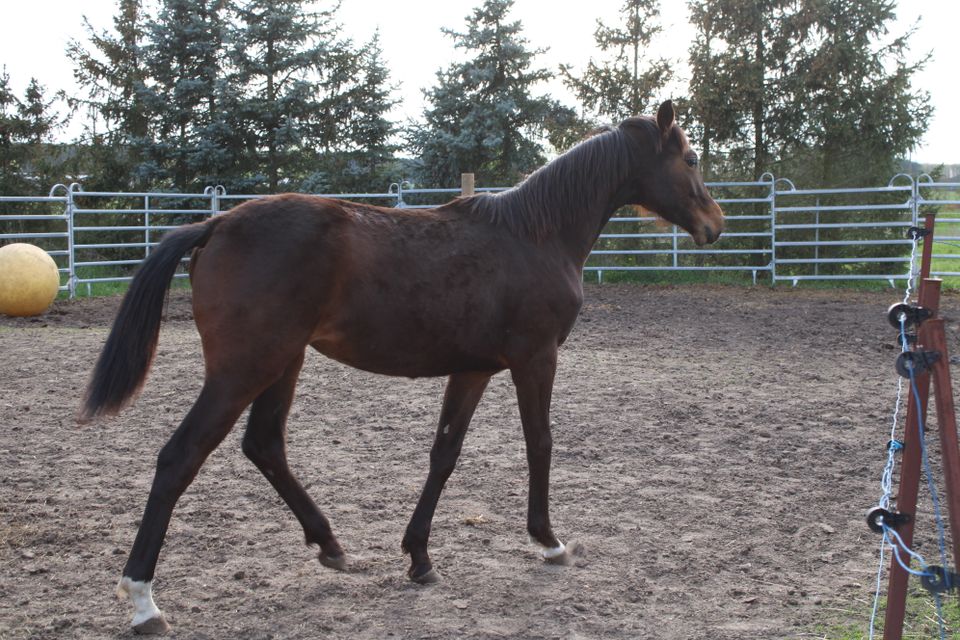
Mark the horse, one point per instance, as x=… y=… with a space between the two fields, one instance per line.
x=466 y=290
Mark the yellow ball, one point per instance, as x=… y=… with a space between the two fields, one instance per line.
x=29 y=280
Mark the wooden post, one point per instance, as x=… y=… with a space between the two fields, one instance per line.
x=466 y=184
x=934 y=339
x=928 y=298
x=910 y=466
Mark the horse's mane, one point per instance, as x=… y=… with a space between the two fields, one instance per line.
x=583 y=178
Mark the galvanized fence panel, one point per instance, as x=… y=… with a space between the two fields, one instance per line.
x=44 y=221
x=114 y=232
x=942 y=198
x=643 y=242
x=843 y=233
x=773 y=229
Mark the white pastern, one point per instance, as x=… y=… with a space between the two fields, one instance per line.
x=141 y=594
x=548 y=552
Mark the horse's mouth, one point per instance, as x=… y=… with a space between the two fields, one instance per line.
x=706 y=234
x=711 y=226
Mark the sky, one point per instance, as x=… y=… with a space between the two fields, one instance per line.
x=34 y=35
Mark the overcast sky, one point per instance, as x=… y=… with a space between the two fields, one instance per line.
x=34 y=34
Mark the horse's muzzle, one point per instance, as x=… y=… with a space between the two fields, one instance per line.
x=711 y=235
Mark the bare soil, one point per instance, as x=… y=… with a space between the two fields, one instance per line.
x=715 y=452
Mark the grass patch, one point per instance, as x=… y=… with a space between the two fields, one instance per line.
x=920 y=620
x=116 y=288
x=745 y=278
x=740 y=278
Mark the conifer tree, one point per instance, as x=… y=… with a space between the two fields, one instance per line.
x=367 y=146
x=628 y=79
x=113 y=76
x=28 y=163
x=185 y=64
x=861 y=114
x=803 y=89
x=295 y=69
x=483 y=116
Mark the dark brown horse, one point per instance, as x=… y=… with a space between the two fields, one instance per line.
x=466 y=290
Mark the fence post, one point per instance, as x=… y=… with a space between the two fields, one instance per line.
x=467 y=184
x=399 y=193
x=816 y=239
x=146 y=226
x=71 y=241
x=676 y=246
x=915 y=199
x=773 y=227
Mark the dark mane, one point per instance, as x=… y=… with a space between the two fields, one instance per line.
x=580 y=180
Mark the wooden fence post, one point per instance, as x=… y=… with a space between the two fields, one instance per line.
x=466 y=184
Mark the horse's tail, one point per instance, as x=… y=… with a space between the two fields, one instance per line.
x=123 y=364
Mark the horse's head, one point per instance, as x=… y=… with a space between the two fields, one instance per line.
x=669 y=182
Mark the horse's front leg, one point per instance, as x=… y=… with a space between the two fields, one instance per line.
x=460 y=400
x=534 y=383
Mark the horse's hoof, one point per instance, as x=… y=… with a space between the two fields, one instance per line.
x=429 y=577
x=334 y=562
x=566 y=558
x=153 y=627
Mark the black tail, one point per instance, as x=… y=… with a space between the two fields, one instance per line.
x=123 y=364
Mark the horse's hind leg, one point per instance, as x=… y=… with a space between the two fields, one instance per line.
x=204 y=427
x=459 y=402
x=265 y=444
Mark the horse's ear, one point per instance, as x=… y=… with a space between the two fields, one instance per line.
x=665 y=117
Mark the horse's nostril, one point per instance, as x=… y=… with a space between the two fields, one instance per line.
x=708 y=231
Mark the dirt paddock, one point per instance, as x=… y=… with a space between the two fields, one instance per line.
x=715 y=452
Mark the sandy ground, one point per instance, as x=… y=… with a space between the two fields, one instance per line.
x=715 y=452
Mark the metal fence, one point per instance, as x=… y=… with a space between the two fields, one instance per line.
x=774 y=230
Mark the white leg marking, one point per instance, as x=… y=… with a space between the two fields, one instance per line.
x=141 y=594
x=548 y=552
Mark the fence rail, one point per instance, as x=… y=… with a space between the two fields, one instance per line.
x=774 y=230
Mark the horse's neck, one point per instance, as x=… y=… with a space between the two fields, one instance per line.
x=580 y=195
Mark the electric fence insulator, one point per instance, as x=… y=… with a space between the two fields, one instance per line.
x=878 y=517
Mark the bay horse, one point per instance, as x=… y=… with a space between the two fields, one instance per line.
x=482 y=284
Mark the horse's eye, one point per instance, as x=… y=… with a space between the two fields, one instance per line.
x=691 y=160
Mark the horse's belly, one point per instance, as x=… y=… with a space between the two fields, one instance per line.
x=414 y=354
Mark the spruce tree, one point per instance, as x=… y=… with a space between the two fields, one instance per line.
x=361 y=159
x=295 y=70
x=803 y=89
x=626 y=81
x=28 y=159
x=482 y=115
x=861 y=114
x=112 y=74
x=185 y=64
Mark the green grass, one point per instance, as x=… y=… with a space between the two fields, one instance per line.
x=920 y=621
x=741 y=278
x=947 y=247
x=106 y=289
x=745 y=278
